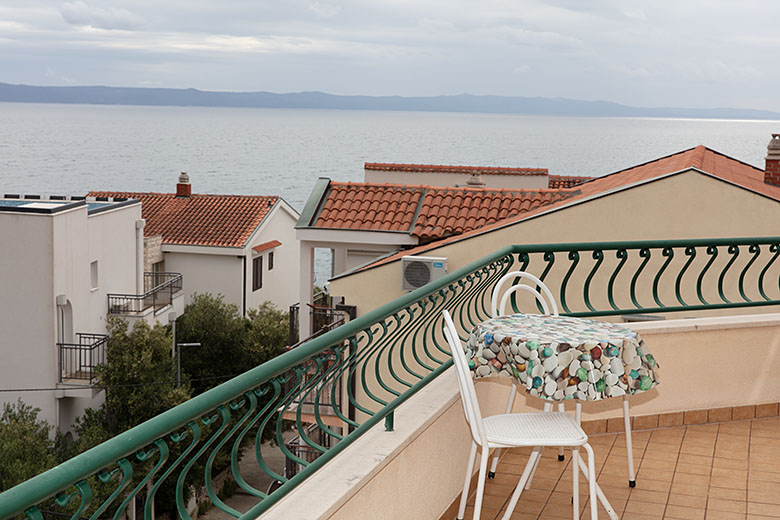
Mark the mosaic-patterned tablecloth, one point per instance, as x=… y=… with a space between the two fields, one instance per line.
x=560 y=358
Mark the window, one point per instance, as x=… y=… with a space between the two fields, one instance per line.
x=257 y=273
x=93 y=275
x=270 y=261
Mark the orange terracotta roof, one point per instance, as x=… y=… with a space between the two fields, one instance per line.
x=440 y=212
x=201 y=220
x=376 y=207
x=265 y=246
x=444 y=168
x=566 y=181
x=447 y=212
x=701 y=158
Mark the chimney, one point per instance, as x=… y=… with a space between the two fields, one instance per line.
x=183 y=188
x=475 y=181
x=772 y=170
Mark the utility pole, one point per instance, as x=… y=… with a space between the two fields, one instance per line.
x=172 y=321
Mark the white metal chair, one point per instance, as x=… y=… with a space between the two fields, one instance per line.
x=498 y=308
x=535 y=430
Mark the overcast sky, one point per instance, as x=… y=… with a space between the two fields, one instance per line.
x=690 y=53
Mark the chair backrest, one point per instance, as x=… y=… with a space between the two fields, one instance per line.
x=468 y=395
x=544 y=296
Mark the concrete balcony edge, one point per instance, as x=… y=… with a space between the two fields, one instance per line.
x=322 y=494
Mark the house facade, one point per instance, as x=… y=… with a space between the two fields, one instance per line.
x=240 y=246
x=69 y=263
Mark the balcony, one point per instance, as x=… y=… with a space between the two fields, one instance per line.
x=78 y=360
x=380 y=431
x=162 y=290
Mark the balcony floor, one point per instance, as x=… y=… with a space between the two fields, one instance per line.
x=719 y=471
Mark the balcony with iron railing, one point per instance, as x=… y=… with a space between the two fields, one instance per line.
x=160 y=290
x=336 y=389
x=77 y=360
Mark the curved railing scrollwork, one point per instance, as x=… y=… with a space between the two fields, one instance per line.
x=332 y=389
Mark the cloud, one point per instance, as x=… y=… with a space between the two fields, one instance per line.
x=630 y=70
x=81 y=14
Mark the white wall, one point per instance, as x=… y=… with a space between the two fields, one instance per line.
x=112 y=243
x=515 y=182
x=27 y=319
x=280 y=286
x=47 y=255
x=208 y=273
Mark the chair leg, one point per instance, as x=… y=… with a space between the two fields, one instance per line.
x=575 y=482
x=629 y=447
x=521 y=484
x=599 y=493
x=594 y=507
x=548 y=407
x=561 y=408
x=464 y=497
x=509 y=403
x=483 y=464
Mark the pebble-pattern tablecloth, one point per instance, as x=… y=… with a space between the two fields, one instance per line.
x=560 y=358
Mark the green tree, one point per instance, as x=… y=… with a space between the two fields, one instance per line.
x=267 y=334
x=221 y=331
x=139 y=375
x=25 y=447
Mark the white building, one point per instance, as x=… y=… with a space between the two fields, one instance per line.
x=66 y=264
x=240 y=246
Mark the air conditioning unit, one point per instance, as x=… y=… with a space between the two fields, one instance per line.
x=416 y=271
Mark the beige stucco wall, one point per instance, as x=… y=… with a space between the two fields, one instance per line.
x=687 y=205
x=514 y=182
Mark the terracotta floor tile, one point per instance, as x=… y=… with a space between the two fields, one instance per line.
x=688 y=489
x=691 y=501
x=694 y=469
x=756 y=508
x=723 y=515
x=717 y=471
x=683 y=513
x=689 y=478
x=657 y=497
x=734 y=506
x=646 y=508
x=729 y=493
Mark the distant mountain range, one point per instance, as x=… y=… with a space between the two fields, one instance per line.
x=460 y=103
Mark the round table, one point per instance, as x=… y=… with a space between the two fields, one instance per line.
x=559 y=358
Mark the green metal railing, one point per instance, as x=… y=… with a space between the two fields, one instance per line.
x=352 y=378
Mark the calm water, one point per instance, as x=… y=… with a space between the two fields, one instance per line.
x=71 y=149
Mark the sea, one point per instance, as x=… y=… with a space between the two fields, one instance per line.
x=72 y=149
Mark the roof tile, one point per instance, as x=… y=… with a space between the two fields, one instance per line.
x=201 y=219
x=442 y=211
x=445 y=168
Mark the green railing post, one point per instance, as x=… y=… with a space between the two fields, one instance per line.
x=389 y=421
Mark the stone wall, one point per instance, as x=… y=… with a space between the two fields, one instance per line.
x=152 y=251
